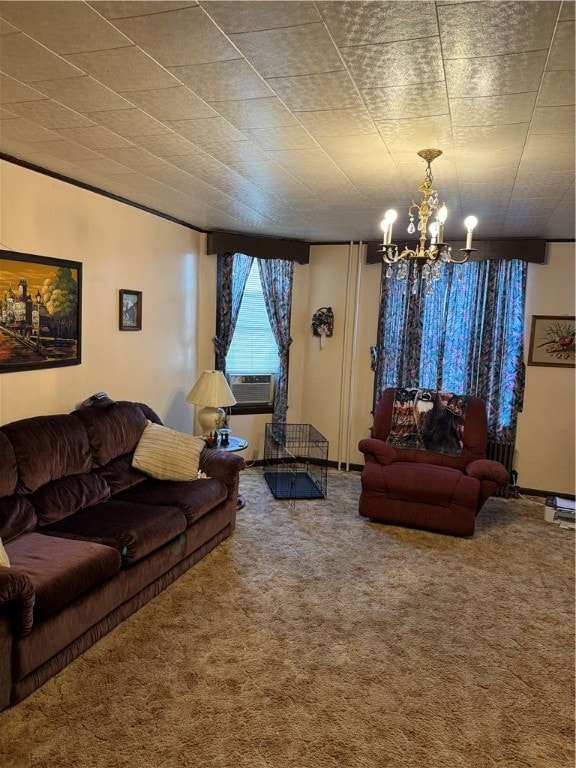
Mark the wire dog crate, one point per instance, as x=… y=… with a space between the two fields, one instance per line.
x=295 y=461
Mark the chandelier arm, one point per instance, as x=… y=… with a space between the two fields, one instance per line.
x=466 y=251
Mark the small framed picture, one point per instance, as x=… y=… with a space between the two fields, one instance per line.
x=130 y=310
x=552 y=341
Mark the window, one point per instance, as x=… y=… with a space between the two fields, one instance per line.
x=253 y=348
x=466 y=337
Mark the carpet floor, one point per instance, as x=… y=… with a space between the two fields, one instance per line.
x=313 y=638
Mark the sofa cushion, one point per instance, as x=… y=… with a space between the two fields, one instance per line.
x=67 y=495
x=8 y=469
x=166 y=454
x=17 y=516
x=411 y=483
x=133 y=529
x=46 y=448
x=119 y=473
x=193 y=499
x=112 y=431
x=61 y=569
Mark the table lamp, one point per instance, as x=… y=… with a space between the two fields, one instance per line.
x=212 y=392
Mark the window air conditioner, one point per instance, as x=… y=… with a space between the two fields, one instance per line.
x=252 y=389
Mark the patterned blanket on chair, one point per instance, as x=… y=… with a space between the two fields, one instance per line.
x=428 y=420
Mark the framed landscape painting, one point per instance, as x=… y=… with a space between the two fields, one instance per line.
x=552 y=341
x=40 y=312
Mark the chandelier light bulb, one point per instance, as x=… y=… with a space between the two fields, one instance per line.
x=469 y=222
x=389 y=219
x=442 y=214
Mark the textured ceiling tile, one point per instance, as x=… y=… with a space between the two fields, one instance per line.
x=103 y=167
x=300 y=50
x=68 y=150
x=494 y=75
x=13 y=91
x=557 y=89
x=543 y=184
x=129 y=122
x=50 y=114
x=171 y=103
x=328 y=90
x=487 y=29
x=337 y=122
x=361 y=23
x=28 y=61
x=199 y=164
x=26 y=131
x=367 y=147
x=493 y=110
x=117 y=9
x=177 y=38
x=65 y=27
x=95 y=137
x=272 y=178
x=562 y=50
x=123 y=69
x=223 y=80
x=401 y=63
x=6 y=29
x=256 y=113
x=133 y=157
x=84 y=94
x=415 y=134
x=553 y=120
x=491 y=137
x=405 y=101
x=235 y=153
x=283 y=137
x=165 y=145
x=250 y=16
x=207 y=131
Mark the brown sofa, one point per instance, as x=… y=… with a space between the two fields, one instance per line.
x=90 y=538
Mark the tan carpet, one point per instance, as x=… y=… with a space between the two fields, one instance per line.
x=313 y=638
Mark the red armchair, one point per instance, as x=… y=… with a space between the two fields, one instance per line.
x=425 y=489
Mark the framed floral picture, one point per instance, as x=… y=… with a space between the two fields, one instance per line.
x=130 y=310
x=552 y=341
x=40 y=312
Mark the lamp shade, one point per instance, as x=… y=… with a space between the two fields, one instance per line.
x=212 y=392
x=211 y=389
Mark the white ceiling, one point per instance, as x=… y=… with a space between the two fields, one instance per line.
x=300 y=119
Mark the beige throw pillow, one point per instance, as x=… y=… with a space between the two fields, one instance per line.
x=166 y=454
x=4 y=559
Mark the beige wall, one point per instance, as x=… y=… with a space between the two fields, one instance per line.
x=119 y=247
x=331 y=388
x=545 y=442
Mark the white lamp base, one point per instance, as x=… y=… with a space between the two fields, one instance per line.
x=211 y=419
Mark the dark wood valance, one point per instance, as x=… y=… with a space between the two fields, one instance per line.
x=258 y=247
x=533 y=251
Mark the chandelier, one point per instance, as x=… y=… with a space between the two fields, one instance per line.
x=430 y=252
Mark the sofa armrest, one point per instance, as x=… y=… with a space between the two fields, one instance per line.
x=486 y=469
x=378 y=450
x=222 y=466
x=17 y=598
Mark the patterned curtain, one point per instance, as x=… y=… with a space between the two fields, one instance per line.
x=465 y=336
x=233 y=271
x=276 y=278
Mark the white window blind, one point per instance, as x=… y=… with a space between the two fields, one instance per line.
x=253 y=348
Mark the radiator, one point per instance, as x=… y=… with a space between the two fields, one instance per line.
x=503 y=451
